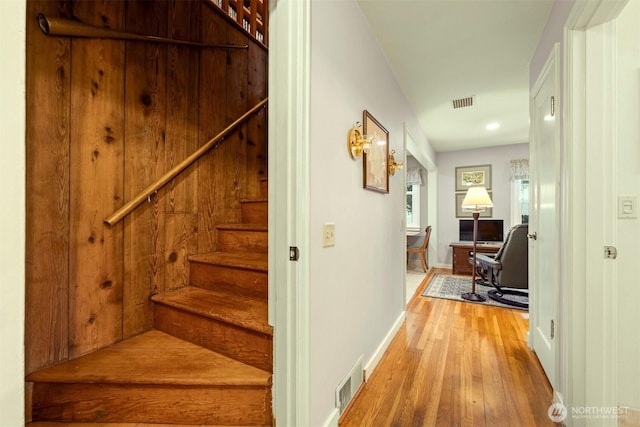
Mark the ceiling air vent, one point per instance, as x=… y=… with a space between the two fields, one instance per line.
x=462 y=102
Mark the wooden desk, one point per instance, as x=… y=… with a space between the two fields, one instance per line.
x=461 y=255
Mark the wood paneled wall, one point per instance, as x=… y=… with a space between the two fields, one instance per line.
x=106 y=118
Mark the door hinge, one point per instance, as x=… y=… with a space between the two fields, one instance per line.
x=553 y=329
x=553 y=106
x=294 y=253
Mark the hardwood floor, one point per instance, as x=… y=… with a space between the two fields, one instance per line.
x=455 y=364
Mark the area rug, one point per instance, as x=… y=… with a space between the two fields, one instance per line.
x=451 y=287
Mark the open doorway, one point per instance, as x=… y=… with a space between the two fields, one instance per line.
x=420 y=210
x=416 y=222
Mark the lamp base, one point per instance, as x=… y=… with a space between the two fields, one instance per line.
x=472 y=296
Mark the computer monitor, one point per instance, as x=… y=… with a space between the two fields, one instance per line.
x=489 y=230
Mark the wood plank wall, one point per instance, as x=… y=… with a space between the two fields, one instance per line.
x=105 y=118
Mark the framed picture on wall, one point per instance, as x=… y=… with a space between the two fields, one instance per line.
x=488 y=213
x=376 y=168
x=467 y=176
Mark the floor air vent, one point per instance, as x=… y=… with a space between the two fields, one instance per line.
x=349 y=385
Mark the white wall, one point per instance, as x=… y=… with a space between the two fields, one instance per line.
x=12 y=212
x=499 y=158
x=553 y=33
x=628 y=183
x=357 y=286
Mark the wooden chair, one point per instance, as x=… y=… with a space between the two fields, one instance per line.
x=422 y=249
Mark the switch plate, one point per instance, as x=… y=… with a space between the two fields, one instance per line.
x=627 y=207
x=328 y=234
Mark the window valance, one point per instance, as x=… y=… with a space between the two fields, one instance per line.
x=413 y=177
x=519 y=169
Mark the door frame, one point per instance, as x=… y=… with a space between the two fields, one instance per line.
x=13 y=18
x=586 y=379
x=289 y=207
x=407 y=137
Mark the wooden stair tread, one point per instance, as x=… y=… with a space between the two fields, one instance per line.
x=243 y=227
x=154 y=358
x=250 y=260
x=234 y=309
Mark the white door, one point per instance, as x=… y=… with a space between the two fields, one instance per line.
x=544 y=227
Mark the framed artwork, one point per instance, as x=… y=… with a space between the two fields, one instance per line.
x=376 y=162
x=488 y=213
x=467 y=176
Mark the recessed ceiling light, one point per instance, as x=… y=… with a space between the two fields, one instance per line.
x=493 y=126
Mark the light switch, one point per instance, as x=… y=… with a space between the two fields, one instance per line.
x=627 y=207
x=328 y=234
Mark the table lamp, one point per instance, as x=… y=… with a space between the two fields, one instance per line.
x=476 y=200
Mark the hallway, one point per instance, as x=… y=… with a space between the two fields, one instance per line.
x=413 y=281
x=455 y=364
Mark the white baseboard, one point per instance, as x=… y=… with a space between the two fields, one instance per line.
x=442 y=265
x=377 y=355
x=334 y=416
x=332 y=420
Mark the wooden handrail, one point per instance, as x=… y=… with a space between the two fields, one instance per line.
x=53 y=26
x=212 y=143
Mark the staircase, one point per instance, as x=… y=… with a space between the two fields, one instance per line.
x=208 y=361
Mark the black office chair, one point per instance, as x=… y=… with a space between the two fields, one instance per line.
x=508 y=270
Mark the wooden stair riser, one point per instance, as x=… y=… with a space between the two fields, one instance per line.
x=247 y=346
x=254 y=211
x=131 y=403
x=234 y=280
x=242 y=240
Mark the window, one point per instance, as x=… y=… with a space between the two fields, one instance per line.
x=520 y=201
x=519 y=191
x=413 y=207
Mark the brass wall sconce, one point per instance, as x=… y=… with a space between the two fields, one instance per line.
x=393 y=165
x=357 y=143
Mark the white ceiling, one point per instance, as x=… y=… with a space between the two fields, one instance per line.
x=441 y=50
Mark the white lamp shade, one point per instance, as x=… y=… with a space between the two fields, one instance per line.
x=476 y=199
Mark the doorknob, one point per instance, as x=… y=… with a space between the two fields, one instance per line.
x=532 y=236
